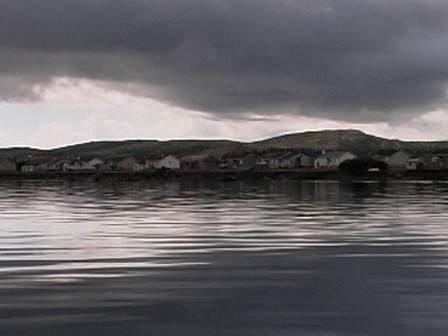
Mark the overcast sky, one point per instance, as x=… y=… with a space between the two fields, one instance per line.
x=79 y=70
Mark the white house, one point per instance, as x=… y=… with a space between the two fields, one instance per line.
x=332 y=159
x=76 y=165
x=53 y=165
x=162 y=161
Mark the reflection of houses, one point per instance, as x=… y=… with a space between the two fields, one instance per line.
x=83 y=165
x=199 y=162
x=245 y=161
x=7 y=165
x=393 y=157
x=162 y=161
x=332 y=159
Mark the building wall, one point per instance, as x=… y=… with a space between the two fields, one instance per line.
x=126 y=164
x=398 y=159
x=7 y=165
x=167 y=162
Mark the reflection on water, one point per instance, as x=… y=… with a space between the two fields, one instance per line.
x=223 y=258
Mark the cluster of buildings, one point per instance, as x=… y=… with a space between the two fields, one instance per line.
x=288 y=159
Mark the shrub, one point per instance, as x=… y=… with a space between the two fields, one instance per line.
x=361 y=166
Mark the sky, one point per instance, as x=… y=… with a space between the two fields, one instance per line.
x=73 y=71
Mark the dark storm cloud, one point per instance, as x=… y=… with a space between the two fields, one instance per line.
x=359 y=60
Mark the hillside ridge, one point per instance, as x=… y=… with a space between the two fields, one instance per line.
x=350 y=139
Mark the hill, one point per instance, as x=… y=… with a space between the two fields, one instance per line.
x=353 y=140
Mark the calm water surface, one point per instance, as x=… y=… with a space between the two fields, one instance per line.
x=223 y=258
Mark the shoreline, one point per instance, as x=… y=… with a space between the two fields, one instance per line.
x=230 y=175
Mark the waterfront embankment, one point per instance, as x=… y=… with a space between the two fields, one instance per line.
x=300 y=174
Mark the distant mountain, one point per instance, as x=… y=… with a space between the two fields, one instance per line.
x=353 y=140
x=121 y=149
x=118 y=149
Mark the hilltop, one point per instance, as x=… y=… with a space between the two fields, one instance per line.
x=353 y=140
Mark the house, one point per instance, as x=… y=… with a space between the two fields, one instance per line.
x=199 y=162
x=217 y=152
x=28 y=168
x=439 y=158
x=139 y=165
x=414 y=163
x=159 y=161
x=126 y=163
x=274 y=159
x=131 y=163
x=93 y=164
x=74 y=165
x=52 y=165
x=289 y=159
x=393 y=157
x=332 y=159
x=7 y=165
x=295 y=160
x=34 y=163
x=83 y=165
x=245 y=161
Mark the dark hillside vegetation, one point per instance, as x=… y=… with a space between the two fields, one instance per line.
x=308 y=142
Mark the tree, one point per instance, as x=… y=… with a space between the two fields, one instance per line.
x=360 y=166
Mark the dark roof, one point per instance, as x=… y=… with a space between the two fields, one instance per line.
x=294 y=154
x=158 y=156
x=387 y=152
x=199 y=157
x=440 y=152
x=334 y=154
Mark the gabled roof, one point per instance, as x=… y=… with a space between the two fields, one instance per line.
x=155 y=157
x=217 y=152
x=232 y=154
x=440 y=152
x=292 y=155
x=158 y=157
x=388 y=152
x=334 y=155
x=199 y=157
x=239 y=156
x=276 y=155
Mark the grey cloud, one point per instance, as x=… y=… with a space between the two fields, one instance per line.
x=357 y=60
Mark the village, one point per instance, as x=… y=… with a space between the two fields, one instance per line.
x=215 y=160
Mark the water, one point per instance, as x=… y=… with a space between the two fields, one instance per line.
x=223 y=258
